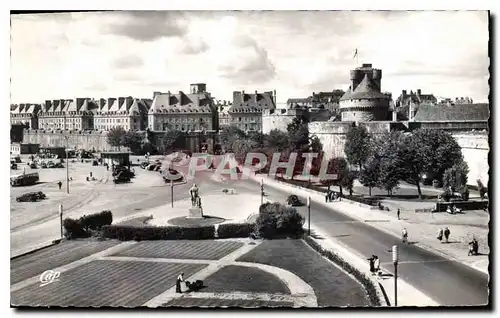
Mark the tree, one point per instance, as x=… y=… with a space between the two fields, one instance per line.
x=357 y=146
x=115 y=136
x=257 y=137
x=455 y=178
x=387 y=148
x=230 y=134
x=340 y=167
x=348 y=181
x=316 y=145
x=428 y=152
x=241 y=147
x=133 y=140
x=172 y=139
x=369 y=176
x=276 y=140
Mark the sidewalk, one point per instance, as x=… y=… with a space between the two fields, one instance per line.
x=407 y=294
x=425 y=233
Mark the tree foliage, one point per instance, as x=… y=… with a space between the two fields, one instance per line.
x=133 y=140
x=369 y=176
x=390 y=170
x=277 y=140
x=455 y=178
x=115 y=136
x=172 y=139
x=428 y=152
x=357 y=145
x=340 y=167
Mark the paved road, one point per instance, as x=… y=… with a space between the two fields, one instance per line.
x=450 y=283
x=42 y=231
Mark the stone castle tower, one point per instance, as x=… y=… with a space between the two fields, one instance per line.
x=364 y=100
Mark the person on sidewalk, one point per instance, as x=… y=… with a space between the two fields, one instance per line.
x=180 y=279
x=440 y=235
x=59 y=184
x=371 y=261
x=405 y=235
x=399 y=213
x=376 y=264
x=446 y=234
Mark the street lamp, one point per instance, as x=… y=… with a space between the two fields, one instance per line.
x=67 y=164
x=172 y=192
x=261 y=191
x=309 y=216
x=395 y=254
x=61 y=218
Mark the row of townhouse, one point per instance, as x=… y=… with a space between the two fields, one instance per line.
x=193 y=111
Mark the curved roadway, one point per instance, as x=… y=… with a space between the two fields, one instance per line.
x=448 y=282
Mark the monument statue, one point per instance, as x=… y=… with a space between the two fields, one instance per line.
x=194 y=195
x=198 y=202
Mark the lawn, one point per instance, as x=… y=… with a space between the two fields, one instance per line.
x=244 y=279
x=105 y=283
x=333 y=287
x=209 y=250
x=64 y=253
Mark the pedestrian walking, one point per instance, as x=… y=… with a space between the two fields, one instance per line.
x=180 y=279
x=326 y=197
x=440 y=235
x=405 y=235
x=376 y=264
x=59 y=184
x=446 y=234
x=371 y=261
x=399 y=213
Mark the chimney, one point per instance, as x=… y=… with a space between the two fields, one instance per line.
x=181 y=99
x=256 y=97
x=155 y=94
x=404 y=92
x=419 y=92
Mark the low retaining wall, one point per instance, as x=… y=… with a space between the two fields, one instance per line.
x=371 y=207
x=462 y=205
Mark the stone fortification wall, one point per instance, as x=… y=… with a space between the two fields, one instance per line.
x=276 y=121
x=475 y=149
x=332 y=136
x=80 y=139
x=363 y=110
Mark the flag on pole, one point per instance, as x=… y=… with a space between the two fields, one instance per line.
x=355 y=53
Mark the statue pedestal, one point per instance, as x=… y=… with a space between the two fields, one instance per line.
x=195 y=213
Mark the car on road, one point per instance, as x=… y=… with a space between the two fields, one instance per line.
x=31 y=197
x=294 y=200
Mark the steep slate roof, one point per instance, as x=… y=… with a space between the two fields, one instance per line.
x=458 y=112
x=181 y=103
x=252 y=102
x=299 y=100
x=366 y=89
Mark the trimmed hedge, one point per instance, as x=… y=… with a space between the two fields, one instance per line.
x=276 y=220
x=230 y=230
x=151 y=233
x=361 y=277
x=85 y=225
x=97 y=220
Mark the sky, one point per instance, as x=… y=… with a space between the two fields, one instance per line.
x=296 y=53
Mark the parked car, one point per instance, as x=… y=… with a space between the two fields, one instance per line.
x=31 y=197
x=51 y=164
x=144 y=164
x=294 y=200
x=33 y=165
x=43 y=165
x=13 y=165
